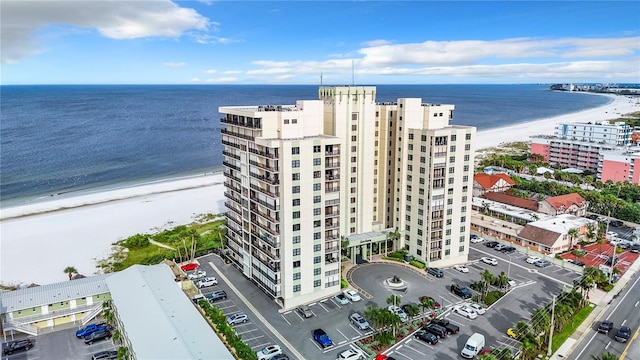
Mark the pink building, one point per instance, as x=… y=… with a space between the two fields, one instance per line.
x=620 y=165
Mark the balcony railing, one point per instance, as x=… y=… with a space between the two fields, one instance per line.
x=332 y=189
x=238 y=135
x=273 y=194
x=264 y=203
x=332 y=214
x=250 y=124
x=262 y=153
x=331 y=237
x=267 y=179
x=332 y=225
x=263 y=166
x=228 y=174
x=331 y=153
x=332 y=164
x=331 y=249
x=237 y=146
x=230 y=154
x=264 y=215
x=230 y=165
x=264 y=236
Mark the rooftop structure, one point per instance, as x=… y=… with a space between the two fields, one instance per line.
x=484 y=183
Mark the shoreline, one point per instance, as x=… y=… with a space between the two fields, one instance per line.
x=78 y=228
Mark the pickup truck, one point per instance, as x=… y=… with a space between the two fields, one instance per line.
x=90 y=329
x=451 y=328
x=322 y=338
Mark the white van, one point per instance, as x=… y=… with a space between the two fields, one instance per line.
x=473 y=346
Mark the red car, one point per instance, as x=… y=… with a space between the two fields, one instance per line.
x=189 y=267
x=384 y=357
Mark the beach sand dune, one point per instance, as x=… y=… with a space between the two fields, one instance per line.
x=41 y=239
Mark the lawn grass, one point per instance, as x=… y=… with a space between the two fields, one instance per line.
x=570 y=327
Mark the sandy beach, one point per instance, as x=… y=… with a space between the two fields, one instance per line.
x=39 y=240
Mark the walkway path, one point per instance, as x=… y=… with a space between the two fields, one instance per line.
x=151 y=241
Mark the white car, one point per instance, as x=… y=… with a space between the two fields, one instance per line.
x=489 y=260
x=269 y=352
x=512 y=282
x=350 y=354
x=461 y=268
x=477 y=308
x=466 y=311
x=532 y=259
x=476 y=240
x=396 y=310
x=352 y=295
x=206 y=282
x=199 y=274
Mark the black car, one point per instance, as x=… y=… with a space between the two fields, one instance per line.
x=508 y=249
x=280 y=357
x=578 y=262
x=491 y=244
x=436 y=330
x=612 y=261
x=18 y=345
x=592 y=216
x=461 y=291
x=451 y=328
x=605 y=327
x=217 y=295
x=616 y=223
x=435 y=272
x=635 y=248
x=426 y=337
x=623 y=334
x=105 y=355
x=97 y=336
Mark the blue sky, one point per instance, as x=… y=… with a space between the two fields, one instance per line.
x=292 y=42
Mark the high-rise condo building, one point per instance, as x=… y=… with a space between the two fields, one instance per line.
x=309 y=182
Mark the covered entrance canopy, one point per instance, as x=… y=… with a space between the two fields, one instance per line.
x=366 y=244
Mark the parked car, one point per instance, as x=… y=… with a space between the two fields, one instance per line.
x=511 y=333
x=623 y=334
x=352 y=295
x=592 y=216
x=616 y=223
x=542 y=263
x=341 y=299
x=198 y=274
x=350 y=354
x=91 y=328
x=476 y=240
x=304 y=311
x=489 y=260
x=280 y=357
x=206 y=282
x=635 y=248
x=499 y=247
x=477 y=308
x=605 y=327
x=18 y=345
x=461 y=291
x=398 y=311
x=578 y=262
x=437 y=272
x=461 y=268
x=105 y=355
x=466 y=311
x=237 y=318
x=97 y=336
x=436 y=305
x=532 y=259
x=359 y=321
x=451 y=328
x=508 y=249
x=426 y=337
x=269 y=352
x=322 y=338
x=436 y=330
x=491 y=244
x=611 y=261
x=189 y=267
x=217 y=295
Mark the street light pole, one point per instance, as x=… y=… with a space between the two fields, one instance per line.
x=509 y=271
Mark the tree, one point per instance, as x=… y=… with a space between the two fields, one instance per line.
x=605 y=356
x=412 y=310
x=70 y=270
x=573 y=234
x=541 y=320
x=427 y=303
x=393 y=236
x=502 y=280
x=394 y=299
x=488 y=277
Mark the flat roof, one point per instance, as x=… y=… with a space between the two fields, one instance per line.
x=561 y=224
x=159 y=320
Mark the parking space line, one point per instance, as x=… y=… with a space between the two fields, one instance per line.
x=248 y=331
x=341 y=333
x=253 y=338
x=322 y=306
x=342 y=342
x=355 y=337
x=285 y=319
x=316 y=344
x=260 y=346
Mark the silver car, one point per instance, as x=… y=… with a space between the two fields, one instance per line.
x=237 y=318
x=359 y=321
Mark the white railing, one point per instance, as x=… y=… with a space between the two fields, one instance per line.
x=25 y=328
x=92 y=314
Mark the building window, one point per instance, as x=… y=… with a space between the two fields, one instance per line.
x=317 y=174
x=317 y=211
x=317 y=148
x=296 y=276
x=316 y=283
x=453 y=137
x=317 y=271
x=295 y=163
x=353 y=159
x=452 y=159
x=296 y=288
x=466 y=158
x=467 y=147
x=316 y=259
x=296 y=239
x=316 y=187
x=447 y=242
x=295 y=150
x=447 y=251
x=317 y=199
x=295 y=202
x=296 y=214
x=316 y=236
x=296 y=227
x=295 y=176
x=286 y=121
x=296 y=252
x=295 y=190
x=461 y=248
x=317 y=223
x=296 y=264
x=316 y=247
x=317 y=161
x=467 y=136
x=452 y=148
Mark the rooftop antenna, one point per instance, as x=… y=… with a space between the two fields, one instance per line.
x=353 y=74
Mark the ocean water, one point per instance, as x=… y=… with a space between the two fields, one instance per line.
x=63 y=139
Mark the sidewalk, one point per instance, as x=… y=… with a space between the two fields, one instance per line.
x=602 y=300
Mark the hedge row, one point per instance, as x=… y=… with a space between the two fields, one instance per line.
x=228 y=332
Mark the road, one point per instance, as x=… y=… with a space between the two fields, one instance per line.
x=623 y=310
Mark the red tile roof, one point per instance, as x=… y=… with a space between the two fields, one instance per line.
x=565 y=201
x=487 y=181
x=511 y=200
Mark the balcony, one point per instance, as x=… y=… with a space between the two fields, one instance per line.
x=237 y=146
x=264 y=166
x=267 y=204
x=230 y=154
x=329 y=259
x=231 y=207
x=230 y=176
x=230 y=165
x=251 y=123
x=331 y=249
x=230 y=195
x=267 y=179
x=264 y=215
x=271 y=240
x=331 y=236
x=331 y=177
x=332 y=164
x=334 y=225
x=332 y=153
x=263 y=250
x=331 y=214
x=332 y=189
x=263 y=154
x=238 y=135
x=267 y=191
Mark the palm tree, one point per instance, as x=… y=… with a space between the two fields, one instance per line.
x=541 y=320
x=375 y=316
x=529 y=347
x=70 y=270
x=573 y=234
x=488 y=277
x=605 y=356
x=393 y=299
x=393 y=236
x=427 y=303
x=107 y=312
x=502 y=281
x=561 y=315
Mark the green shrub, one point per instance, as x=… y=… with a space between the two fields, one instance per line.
x=385 y=338
x=397 y=254
x=137 y=241
x=393 y=259
x=607 y=287
x=343 y=283
x=417 y=263
x=492 y=297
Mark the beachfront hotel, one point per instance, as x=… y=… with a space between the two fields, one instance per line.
x=310 y=183
x=603 y=148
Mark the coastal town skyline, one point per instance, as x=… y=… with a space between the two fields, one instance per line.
x=208 y=42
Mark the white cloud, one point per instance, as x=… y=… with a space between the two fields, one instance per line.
x=223 y=80
x=113 y=19
x=175 y=64
x=376 y=43
x=212 y=71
